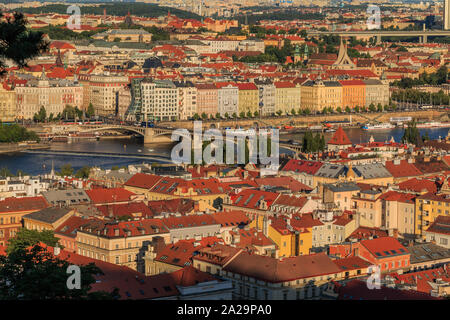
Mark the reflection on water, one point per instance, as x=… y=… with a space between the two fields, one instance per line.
x=357 y=135
x=41 y=163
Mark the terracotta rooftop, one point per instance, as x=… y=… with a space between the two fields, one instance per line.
x=340 y=138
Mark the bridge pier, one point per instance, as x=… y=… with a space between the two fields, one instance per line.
x=149 y=135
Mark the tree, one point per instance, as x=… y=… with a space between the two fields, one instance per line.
x=293 y=111
x=218 y=115
x=411 y=134
x=204 y=116
x=242 y=114
x=379 y=107
x=324 y=110
x=372 y=107
x=36 y=274
x=196 y=116
x=5 y=172
x=83 y=173
x=279 y=112
x=19 y=43
x=66 y=170
x=256 y=114
x=226 y=115
x=234 y=115
x=249 y=114
x=357 y=109
x=347 y=109
x=26 y=238
x=41 y=115
x=217 y=203
x=16 y=133
x=339 y=110
x=90 y=110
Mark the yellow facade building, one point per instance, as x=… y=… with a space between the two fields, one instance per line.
x=7 y=104
x=248 y=98
x=428 y=208
x=318 y=94
x=287 y=96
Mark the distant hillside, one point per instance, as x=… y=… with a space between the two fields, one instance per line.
x=116 y=9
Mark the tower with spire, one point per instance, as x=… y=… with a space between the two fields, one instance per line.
x=58 y=61
x=343 y=61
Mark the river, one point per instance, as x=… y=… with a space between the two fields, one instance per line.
x=40 y=163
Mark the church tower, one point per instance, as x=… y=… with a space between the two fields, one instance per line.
x=343 y=61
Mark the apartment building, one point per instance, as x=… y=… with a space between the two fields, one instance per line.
x=287 y=96
x=248 y=98
x=227 y=99
x=120 y=243
x=353 y=93
x=266 y=95
x=103 y=93
x=7 y=103
x=318 y=94
x=187 y=99
x=428 y=207
x=207 y=98
x=377 y=92
x=53 y=95
x=159 y=100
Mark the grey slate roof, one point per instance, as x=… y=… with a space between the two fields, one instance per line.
x=330 y=170
x=48 y=215
x=342 y=187
x=426 y=252
x=372 y=170
x=71 y=196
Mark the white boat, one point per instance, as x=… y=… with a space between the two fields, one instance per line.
x=139 y=150
x=151 y=150
x=380 y=126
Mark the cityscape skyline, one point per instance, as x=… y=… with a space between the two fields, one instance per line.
x=245 y=152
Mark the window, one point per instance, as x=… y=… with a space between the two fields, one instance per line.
x=117 y=259
x=443 y=241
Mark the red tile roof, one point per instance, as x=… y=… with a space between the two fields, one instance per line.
x=288 y=269
x=188 y=221
x=440 y=225
x=384 y=247
x=398 y=196
x=132 y=209
x=283 y=181
x=421 y=279
x=352 y=263
x=340 y=138
x=23 y=204
x=366 y=232
x=403 y=169
x=358 y=290
x=283 y=84
x=309 y=167
x=230 y=218
x=418 y=185
x=142 y=180
x=109 y=195
x=251 y=198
